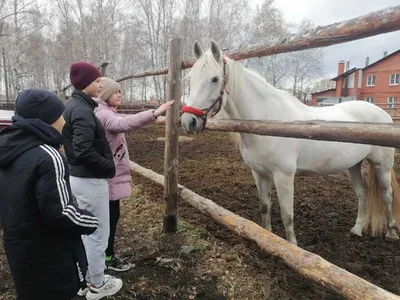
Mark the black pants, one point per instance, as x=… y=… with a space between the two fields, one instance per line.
x=114 y=217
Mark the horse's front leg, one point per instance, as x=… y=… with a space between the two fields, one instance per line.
x=285 y=188
x=264 y=185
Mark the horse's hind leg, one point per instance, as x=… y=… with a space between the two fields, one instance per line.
x=385 y=181
x=264 y=185
x=285 y=187
x=382 y=160
x=357 y=179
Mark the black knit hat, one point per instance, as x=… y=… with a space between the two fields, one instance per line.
x=39 y=104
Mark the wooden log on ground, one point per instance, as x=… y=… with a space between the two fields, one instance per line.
x=375 y=23
x=387 y=134
x=171 y=134
x=306 y=263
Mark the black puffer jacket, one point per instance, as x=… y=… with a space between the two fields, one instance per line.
x=86 y=146
x=42 y=224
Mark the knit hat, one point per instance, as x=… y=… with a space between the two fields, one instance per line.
x=39 y=104
x=109 y=87
x=82 y=74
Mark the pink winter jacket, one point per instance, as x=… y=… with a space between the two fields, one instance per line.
x=115 y=127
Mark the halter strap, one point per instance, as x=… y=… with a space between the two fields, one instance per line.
x=192 y=110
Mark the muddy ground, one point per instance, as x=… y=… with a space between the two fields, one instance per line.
x=206 y=261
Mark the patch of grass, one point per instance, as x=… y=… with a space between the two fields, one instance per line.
x=194 y=236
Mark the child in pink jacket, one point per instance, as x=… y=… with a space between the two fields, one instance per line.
x=115 y=127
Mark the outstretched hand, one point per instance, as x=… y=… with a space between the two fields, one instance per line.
x=163 y=108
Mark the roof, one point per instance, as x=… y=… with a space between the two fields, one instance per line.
x=347 y=73
x=320 y=92
x=382 y=59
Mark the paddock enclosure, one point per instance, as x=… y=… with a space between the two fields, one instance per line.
x=306 y=263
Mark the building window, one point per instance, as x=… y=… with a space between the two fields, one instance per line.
x=394 y=79
x=369 y=99
x=371 y=80
x=392 y=102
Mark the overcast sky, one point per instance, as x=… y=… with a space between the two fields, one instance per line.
x=325 y=12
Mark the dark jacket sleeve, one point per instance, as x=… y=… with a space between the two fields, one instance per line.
x=55 y=201
x=83 y=135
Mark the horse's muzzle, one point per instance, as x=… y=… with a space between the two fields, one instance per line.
x=191 y=123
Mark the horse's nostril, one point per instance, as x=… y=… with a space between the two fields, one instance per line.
x=192 y=123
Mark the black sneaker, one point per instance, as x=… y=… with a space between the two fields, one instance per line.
x=115 y=263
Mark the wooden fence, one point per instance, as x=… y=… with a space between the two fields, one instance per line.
x=306 y=263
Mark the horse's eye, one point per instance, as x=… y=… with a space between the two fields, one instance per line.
x=214 y=79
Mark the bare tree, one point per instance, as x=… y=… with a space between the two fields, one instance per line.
x=133 y=35
x=268 y=25
x=306 y=66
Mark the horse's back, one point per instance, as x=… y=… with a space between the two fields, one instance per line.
x=352 y=111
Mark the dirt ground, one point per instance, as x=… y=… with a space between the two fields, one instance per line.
x=206 y=261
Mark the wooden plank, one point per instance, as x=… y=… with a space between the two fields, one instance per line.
x=380 y=134
x=171 y=132
x=306 y=263
x=375 y=23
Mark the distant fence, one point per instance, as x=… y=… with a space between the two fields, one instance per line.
x=7 y=106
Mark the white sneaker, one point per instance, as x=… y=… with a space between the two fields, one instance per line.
x=110 y=287
x=84 y=291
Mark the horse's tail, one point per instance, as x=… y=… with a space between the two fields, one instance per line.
x=375 y=210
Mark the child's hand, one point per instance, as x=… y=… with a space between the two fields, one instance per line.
x=163 y=108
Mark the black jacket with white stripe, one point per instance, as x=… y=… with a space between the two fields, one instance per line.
x=42 y=224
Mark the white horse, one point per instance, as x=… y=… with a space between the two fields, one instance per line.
x=224 y=87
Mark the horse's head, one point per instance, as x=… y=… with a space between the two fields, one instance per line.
x=207 y=85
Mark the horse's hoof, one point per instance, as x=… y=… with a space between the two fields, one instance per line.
x=392 y=235
x=266 y=226
x=357 y=231
x=292 y=240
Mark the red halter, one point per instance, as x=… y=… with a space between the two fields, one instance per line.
x=203 y=113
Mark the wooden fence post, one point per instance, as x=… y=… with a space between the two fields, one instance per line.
x=171 y=132
x=103 y=69
x=5 y=76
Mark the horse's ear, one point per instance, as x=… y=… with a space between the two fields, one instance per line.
x=197 y=50
x=215 y=50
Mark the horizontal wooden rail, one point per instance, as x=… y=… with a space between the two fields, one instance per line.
x=306 y=263
x=375 y=23
x=379 y=134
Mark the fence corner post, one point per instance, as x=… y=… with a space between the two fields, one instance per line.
x=103 y=69
x=171 y=131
